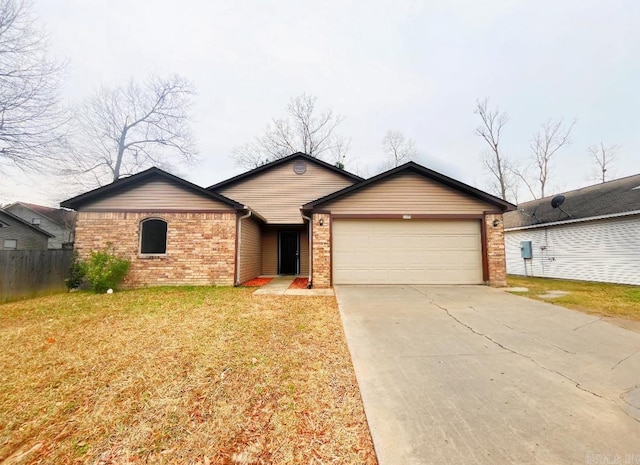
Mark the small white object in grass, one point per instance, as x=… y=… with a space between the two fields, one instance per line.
x=109 y=291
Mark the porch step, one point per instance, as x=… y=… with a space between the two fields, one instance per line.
x=277 y=285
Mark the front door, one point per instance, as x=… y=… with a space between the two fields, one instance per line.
x=288 y=252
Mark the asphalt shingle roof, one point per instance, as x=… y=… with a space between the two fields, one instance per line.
x=608 y=198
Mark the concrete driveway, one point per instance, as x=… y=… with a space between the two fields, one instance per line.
x=461 y=375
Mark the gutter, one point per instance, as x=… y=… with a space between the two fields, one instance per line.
x=578 y=220
x=239 y=235
x=310 y=282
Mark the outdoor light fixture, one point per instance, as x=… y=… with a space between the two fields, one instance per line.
x=321 y=222
x=496 y=223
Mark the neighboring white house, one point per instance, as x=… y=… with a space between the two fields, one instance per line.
x=56 y=221
x=593 y=235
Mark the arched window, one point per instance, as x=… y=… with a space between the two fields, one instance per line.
x=153 y=236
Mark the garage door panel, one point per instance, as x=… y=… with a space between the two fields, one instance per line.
x=407 y=252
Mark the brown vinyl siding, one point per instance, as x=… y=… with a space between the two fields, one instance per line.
x=270 y=251
x=250 y=250
x=278 y=194
x=304 y=252
x=156 y=195
x=408 y=193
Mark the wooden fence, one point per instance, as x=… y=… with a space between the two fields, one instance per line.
x=27 y=273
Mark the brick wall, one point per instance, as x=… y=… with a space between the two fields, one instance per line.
x=321 y=250
x=200 y=246
x=495 y=250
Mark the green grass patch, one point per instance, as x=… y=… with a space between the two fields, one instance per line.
x=612 y=300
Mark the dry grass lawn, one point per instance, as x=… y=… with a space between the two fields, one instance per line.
x=178 y=375
x=609 y=300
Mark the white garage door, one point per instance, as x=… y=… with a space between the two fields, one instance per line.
x=407 y=252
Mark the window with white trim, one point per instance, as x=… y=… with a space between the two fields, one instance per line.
x=10 y=244
x=153 y=237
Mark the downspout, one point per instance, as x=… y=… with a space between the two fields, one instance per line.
x=240 y=245
x=310 y=282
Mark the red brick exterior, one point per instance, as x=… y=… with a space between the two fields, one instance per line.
x=496 y=261
x=200 y=246
x=321 y=250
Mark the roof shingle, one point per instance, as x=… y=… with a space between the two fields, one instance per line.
x=608 y=198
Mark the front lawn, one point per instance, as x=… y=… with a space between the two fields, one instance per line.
x=178 y=375
x=610 y=300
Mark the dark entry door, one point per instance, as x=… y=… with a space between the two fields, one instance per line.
x=289 y=253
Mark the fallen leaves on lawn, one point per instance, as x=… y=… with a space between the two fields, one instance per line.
x=178 y=375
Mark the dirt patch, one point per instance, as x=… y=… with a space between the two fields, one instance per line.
x=299 y=283
x=257 y=282
x=553 y=294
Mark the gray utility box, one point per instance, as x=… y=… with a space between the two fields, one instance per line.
x=526 y=250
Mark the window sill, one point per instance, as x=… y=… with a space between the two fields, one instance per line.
x=152 y=256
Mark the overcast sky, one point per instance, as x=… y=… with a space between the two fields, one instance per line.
x=417 y=67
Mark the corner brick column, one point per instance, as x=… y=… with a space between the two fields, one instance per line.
x=321 y=250
x=495 y=250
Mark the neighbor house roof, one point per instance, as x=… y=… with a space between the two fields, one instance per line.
x=24 y=223
x=260 y=169
x=419 y=169
x=130 y=181
x=611 y=198
x=57 y=215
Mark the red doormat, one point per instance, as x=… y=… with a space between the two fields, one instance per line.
x=257 y=282
x=299 y=283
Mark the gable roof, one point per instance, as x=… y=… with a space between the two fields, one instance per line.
x=273 y=164
x=25 y=223
x=130 y=181
x=421 y=170
x=57 y=215
x=611 y=198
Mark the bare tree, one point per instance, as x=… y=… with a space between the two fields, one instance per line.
x=123 y=130
x=398 y=149
x=548 y=139
x=603 y=156
x=497 y=164
x=30 y=117
x=304 y=129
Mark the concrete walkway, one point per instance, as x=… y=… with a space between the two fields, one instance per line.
x=280 y=286
x=453 y=375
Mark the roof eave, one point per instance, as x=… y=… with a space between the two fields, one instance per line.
x=34 y=211
x=115 y=186
x=412 y=166
x=574 y=220
x=25 y=223
x=260 y=169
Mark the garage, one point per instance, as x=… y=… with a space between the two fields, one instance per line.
x=408 y=225
x=390 y=251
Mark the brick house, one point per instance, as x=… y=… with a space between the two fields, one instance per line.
x=298 y=216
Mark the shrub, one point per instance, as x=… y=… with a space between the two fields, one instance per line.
x=105 y=270
x=76 y=272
